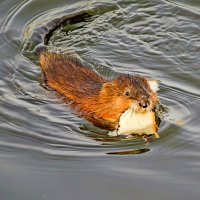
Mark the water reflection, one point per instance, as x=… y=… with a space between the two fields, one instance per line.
x=130 y=152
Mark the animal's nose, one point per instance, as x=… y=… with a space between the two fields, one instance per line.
x=143 y=104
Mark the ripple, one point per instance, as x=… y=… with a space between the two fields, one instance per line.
x=43 y=141
x=146 y=38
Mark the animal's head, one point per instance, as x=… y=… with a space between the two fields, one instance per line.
x=132 y=91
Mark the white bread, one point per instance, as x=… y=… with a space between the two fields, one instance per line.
x=132 y=122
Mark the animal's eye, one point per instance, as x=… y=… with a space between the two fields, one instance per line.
x=128 y=93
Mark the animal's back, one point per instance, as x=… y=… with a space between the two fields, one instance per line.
x=69 y=77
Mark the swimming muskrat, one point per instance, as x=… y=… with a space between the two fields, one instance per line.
x=118 y=105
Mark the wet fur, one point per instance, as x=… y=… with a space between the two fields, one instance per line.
x=98 y=100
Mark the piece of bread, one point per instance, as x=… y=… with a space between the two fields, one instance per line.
x=132 y=122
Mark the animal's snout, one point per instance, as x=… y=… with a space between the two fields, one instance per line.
x=144 y=104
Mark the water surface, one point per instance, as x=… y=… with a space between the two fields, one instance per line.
x=44 y=151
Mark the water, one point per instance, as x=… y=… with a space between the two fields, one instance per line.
x=44 y=152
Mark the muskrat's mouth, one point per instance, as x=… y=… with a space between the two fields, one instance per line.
x=136 y=107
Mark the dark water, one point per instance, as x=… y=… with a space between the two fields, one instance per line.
x=44 y=154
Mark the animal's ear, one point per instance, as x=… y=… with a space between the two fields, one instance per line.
x=154 y=85
x=109 y=87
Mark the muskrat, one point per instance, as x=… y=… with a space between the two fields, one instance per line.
x=102 y=102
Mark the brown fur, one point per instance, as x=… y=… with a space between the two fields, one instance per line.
x=98 y=100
